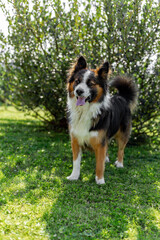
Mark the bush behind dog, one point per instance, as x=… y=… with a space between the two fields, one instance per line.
x=44 y=40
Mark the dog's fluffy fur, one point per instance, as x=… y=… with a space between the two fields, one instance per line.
x=95 y=116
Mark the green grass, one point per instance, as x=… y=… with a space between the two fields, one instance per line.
x=37 y=202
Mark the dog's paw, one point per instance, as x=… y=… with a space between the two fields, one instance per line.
x=73 y=177
x=118 y=164
x=100 y=181
x=107 y=159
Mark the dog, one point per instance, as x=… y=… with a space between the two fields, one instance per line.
x=95 y=116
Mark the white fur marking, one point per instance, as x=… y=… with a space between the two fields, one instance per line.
x=106 y=101
x=100 y=181
x=76 y=169
x=85 y=89
x=94 y=133
x=83 y=86
x=86 y=75
x=119 y=164
x=107 y=159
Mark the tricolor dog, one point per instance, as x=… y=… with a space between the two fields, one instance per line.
x=95 y=116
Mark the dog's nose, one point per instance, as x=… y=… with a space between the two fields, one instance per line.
x=79 y=92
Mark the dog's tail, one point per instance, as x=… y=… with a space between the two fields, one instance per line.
x=127 y=89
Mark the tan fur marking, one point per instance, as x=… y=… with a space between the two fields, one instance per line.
x=70 y=89
x=97 y=140
x=100 y=92
x=100 y=153
x=75 y=147
x=71 y=70
x=95 y=71
x=122 y=140
x=104 y=75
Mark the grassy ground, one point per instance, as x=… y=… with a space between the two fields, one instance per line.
x=37 y=202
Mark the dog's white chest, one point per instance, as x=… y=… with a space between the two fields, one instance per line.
x=81 y=120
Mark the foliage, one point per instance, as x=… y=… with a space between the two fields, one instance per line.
x=45 y=38
x=37 y=202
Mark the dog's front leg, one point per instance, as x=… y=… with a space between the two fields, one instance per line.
x=100 y=152
x=76 y=150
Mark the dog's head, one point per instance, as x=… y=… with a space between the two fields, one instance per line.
x=87 y=85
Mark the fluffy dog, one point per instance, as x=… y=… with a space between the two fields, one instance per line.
x=95 y=116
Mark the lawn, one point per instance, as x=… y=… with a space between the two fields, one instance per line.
x=37 y=202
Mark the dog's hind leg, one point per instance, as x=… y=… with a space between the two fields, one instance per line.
x=76 y=150
x=107 y=158
x=122 y=139
x=119 y=162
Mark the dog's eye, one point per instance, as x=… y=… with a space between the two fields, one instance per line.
x=91 y=83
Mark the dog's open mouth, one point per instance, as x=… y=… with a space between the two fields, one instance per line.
x=80 y=101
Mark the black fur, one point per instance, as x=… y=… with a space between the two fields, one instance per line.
x=126 y=88
x=118 y=115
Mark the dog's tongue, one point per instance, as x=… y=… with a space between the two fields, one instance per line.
x=80 y=101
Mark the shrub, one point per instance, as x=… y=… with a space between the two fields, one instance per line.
x=44 y=40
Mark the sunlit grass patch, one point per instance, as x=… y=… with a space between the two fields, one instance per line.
x=11 y=113
x=22 y=220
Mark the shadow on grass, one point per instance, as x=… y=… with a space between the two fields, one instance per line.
x=126 y=207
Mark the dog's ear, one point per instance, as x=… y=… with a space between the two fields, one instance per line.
x=103 y=71
x=77 y=66
x=81 y=64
